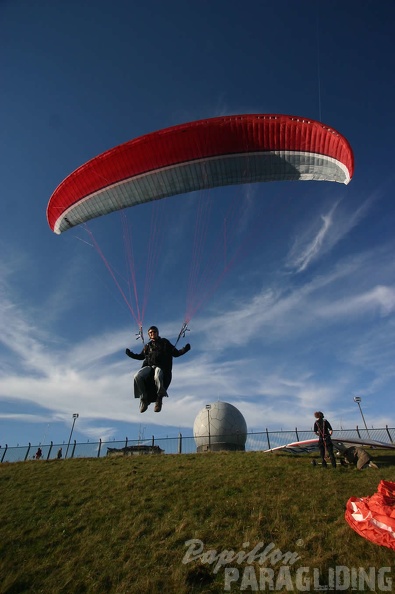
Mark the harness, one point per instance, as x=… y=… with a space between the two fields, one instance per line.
x=321 y=430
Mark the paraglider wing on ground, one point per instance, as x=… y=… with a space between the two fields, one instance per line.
x=373 y=517
x=341 y=444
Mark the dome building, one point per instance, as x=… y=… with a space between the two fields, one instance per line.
x=220 y=426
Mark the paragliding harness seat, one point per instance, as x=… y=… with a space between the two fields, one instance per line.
x=150 y=392
x=150 y=387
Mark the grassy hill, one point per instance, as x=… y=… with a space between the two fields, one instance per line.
x=119 y=525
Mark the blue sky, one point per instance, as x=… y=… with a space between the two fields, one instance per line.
x=304 y=320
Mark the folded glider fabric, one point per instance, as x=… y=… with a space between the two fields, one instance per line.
x=373 y=517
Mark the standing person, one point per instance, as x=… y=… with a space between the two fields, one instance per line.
x=59 y=454
x=39 y=454
x=323 y=429
x=157 y=356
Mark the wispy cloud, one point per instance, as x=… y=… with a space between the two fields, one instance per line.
x=320 y=236
x=307 y=249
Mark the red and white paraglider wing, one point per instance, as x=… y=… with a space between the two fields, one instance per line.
x=373 y=517
x=208 y=153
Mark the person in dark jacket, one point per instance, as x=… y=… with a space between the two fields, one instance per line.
x=323 y=429
x=157 y=356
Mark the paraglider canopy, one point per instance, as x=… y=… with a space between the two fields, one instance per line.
x=221 y=151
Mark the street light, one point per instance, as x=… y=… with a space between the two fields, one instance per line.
x=208 y=406
x=75 y=417
x=358 y=400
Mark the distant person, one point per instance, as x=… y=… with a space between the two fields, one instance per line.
x=39 y=454
x=59 y=454
x=153 y=379
x=323 y=429
x=360 y=457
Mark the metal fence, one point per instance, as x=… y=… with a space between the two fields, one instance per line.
x=258 y=441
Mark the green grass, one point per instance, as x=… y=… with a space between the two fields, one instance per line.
x=119 y=525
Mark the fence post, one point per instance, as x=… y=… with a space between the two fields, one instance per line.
x=98 y=451
x=297 y=436
x=126 y=442
x=6 y=448
x=153 y=441
x=359 y=435
x=179 y=443
x=389 y=434
x=72 y=453
x=268 y=440
x=28 y=450
x=50 y=450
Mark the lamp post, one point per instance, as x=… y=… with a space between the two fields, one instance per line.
x=75 y=417
x=358 y=400
x=208 y=406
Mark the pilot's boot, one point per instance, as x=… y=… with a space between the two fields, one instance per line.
x=143 y=405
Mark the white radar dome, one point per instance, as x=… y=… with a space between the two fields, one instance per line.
x=220 y=426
